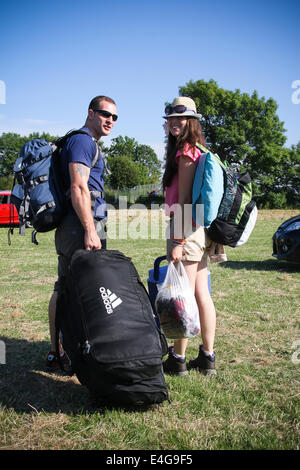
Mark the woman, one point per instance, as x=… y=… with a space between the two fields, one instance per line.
x=184 y=131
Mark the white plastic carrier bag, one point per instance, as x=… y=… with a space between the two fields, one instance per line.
x=176 y=305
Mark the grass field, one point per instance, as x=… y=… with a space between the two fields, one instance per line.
x=252 y=403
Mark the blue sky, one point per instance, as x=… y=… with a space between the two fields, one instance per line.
x=56 y=56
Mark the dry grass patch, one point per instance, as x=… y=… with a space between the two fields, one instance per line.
x=277 y=214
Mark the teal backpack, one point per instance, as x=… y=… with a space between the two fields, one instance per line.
x=222 y=200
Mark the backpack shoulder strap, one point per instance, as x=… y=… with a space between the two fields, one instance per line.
x=224 y=165
x=97 y=154
x=201 y=147
x=59 y=143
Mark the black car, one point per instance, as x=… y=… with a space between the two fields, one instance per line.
x=286 y=240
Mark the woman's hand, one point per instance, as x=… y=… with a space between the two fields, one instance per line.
x=177 y=253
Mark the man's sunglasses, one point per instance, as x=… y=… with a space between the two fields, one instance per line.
x=179 y=109
x=106 y=114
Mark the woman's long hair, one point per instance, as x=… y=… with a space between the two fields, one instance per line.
x=191 y=134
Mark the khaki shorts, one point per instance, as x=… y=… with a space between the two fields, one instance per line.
x=195 y=245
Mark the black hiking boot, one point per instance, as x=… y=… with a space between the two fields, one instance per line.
x=204 y=364
x=175 y=365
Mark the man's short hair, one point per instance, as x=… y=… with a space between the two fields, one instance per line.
x=94 y=104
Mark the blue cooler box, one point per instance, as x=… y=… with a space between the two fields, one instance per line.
x=157 y=276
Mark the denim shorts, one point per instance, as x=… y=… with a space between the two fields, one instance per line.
x=69 y=237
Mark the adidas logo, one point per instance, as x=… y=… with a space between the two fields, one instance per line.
x=110 y=300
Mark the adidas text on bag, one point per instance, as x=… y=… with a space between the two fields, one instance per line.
x=110 y=300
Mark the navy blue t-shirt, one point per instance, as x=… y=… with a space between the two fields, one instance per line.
x=80 y=148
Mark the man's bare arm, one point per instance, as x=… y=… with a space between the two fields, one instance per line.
x=81 y=201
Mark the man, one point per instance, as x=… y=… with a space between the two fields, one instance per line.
x=83 y=226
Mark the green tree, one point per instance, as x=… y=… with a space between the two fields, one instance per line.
x=10 y=146
x=289 y=175
x=246 y=129
x=124 y=173
x=147 y=164
x=122 y=146
x=145 y=156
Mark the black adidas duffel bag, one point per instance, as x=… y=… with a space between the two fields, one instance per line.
x=108 y=330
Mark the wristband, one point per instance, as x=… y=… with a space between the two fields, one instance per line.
x=178 y=241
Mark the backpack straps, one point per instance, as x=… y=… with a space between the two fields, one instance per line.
x=94 y=194
x=62 y=140
x=201 y=147
x=99 y=154
x=224 y=165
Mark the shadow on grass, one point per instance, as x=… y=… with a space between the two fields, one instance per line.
x=265 y=265
x=26 y=387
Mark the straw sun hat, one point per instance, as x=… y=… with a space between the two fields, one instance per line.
x=182 y=106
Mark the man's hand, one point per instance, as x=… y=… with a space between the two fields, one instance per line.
x=92 y=241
